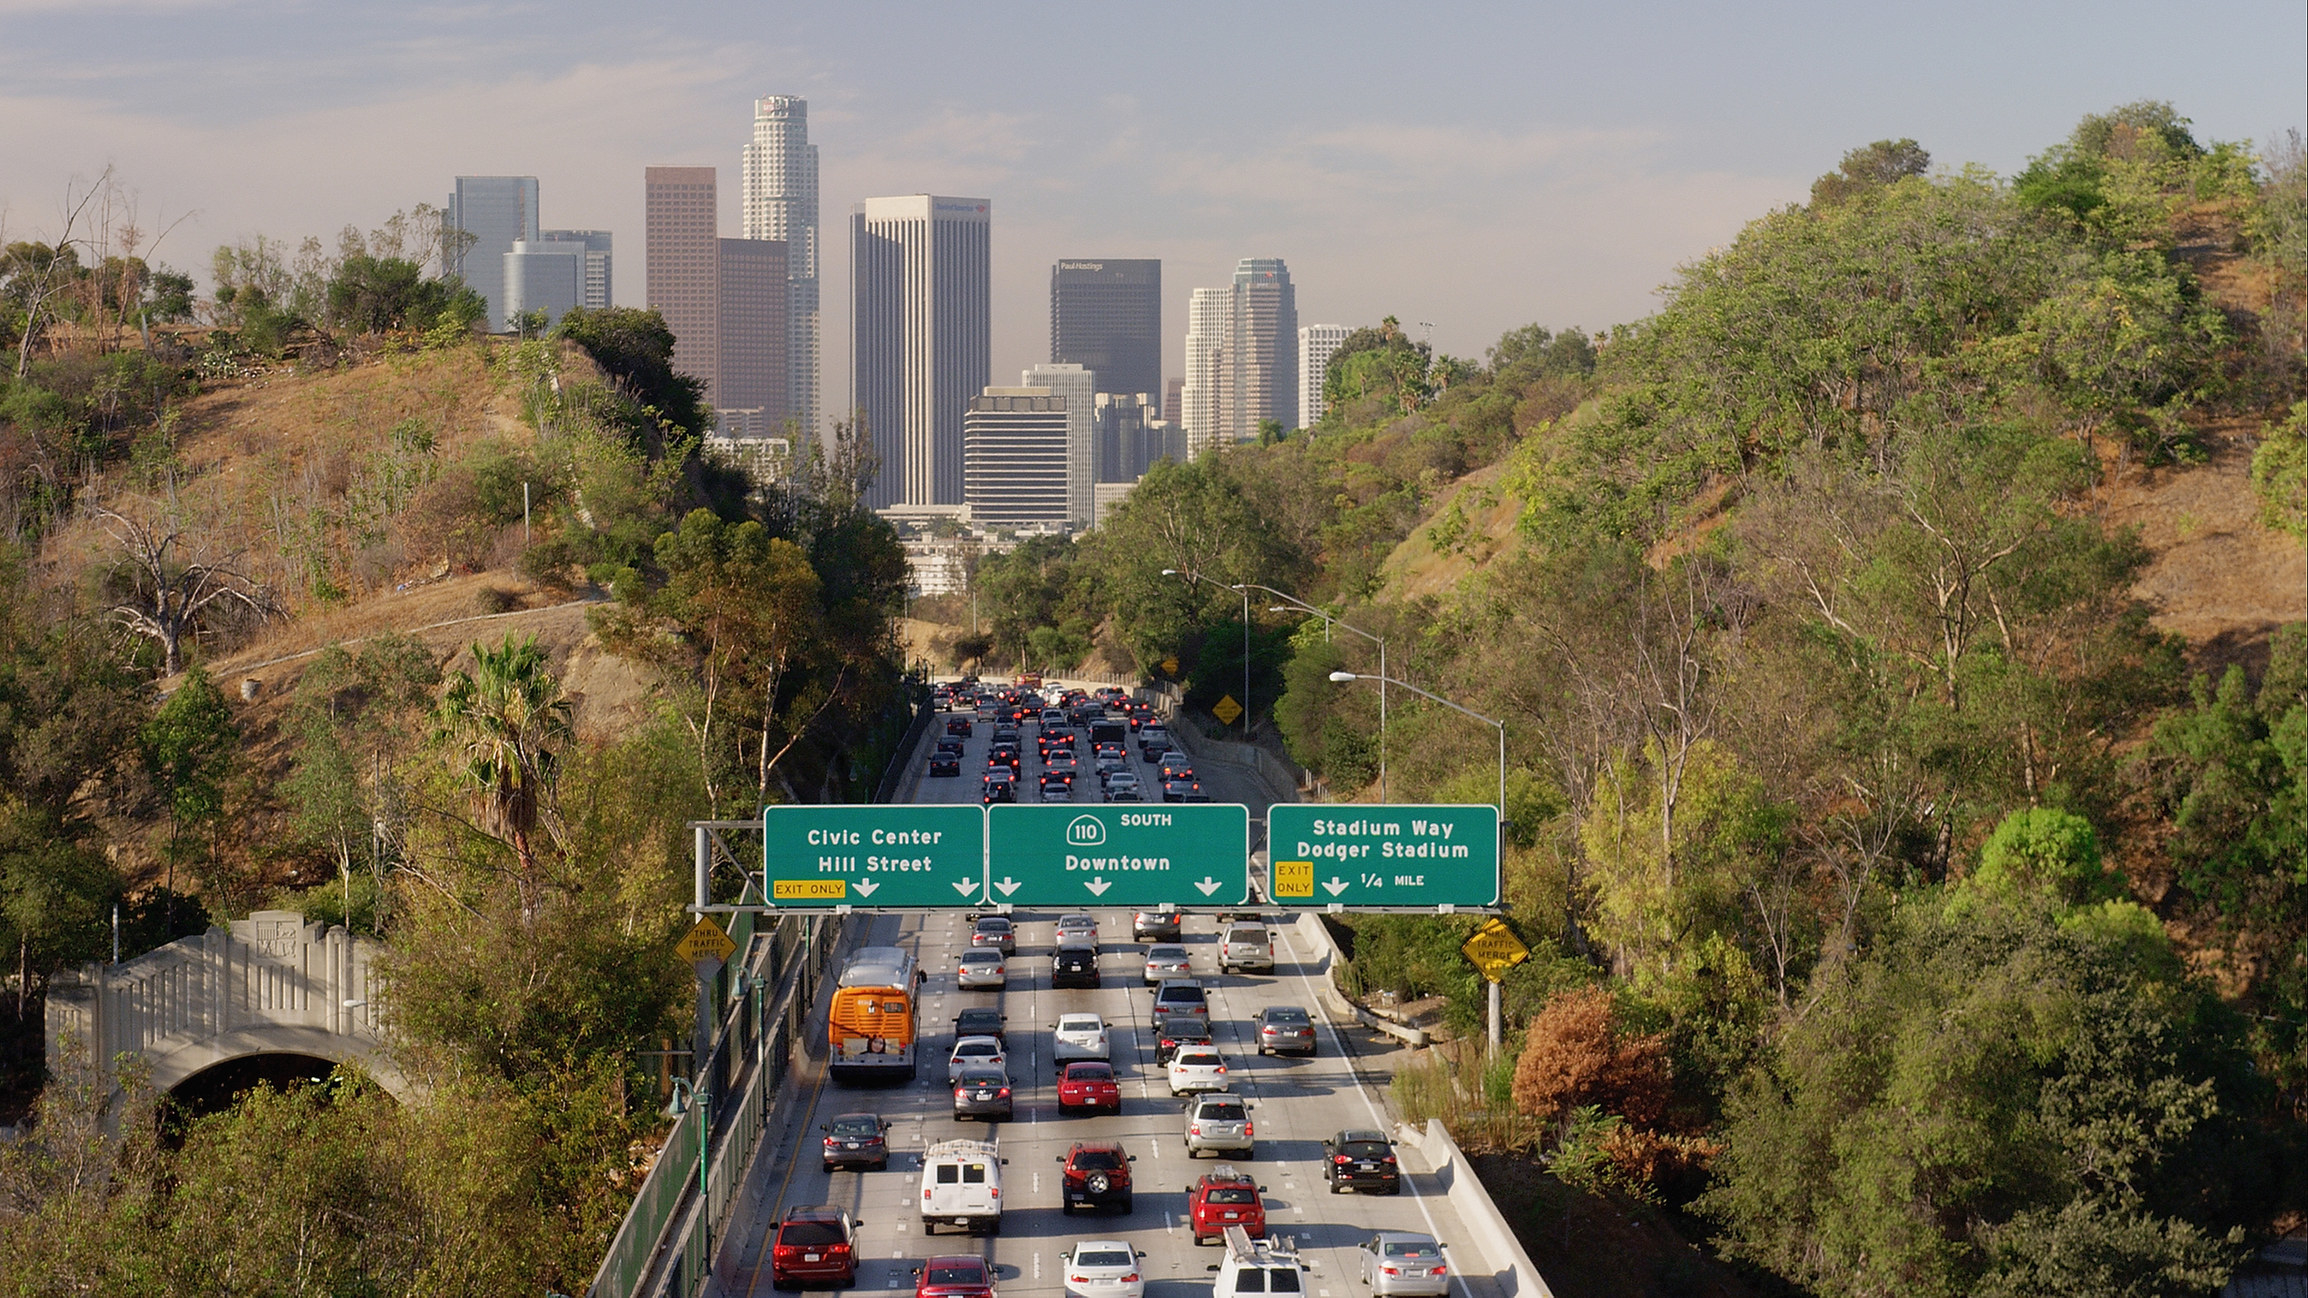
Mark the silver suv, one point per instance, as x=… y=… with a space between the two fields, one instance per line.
x=1220 y=1123
x=1246 y=946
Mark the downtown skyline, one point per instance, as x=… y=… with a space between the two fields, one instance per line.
x=1506 y=168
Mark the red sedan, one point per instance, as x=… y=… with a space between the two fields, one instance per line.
x=959 y=1275
x=1089 y=1086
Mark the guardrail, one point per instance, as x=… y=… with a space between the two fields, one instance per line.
x=1517 y=1276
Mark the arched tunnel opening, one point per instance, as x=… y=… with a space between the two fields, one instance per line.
x=213 y=1089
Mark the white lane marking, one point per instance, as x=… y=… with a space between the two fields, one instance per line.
x=1037 y=1266
x=1378 y=1120
x=1037 y=1182
x=1157 y=1144
x=1169 y=1223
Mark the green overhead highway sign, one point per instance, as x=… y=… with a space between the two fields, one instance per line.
x=1125 y=854
x=1388 y=854
x=874 y=856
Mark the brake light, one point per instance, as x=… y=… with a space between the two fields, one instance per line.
x=960 y=1091
x=1338 y=1158
x=830 y=1142
x=1005 y=1092
x=1246 y=1130
x=997 y=1192
x=1131 y=1278
x=1390 y=1270
x=1389 y=1158
x=1441 y=1269
x=1194 y=1130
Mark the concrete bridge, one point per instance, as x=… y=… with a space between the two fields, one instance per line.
x=268 y=985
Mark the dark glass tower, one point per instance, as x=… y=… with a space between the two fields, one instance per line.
x=1106 y=316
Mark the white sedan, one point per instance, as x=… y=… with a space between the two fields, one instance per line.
x=1078 y=1036
x=975 y=1052
x=1105 y=1268
x=981 y=967
x=1197 y=1068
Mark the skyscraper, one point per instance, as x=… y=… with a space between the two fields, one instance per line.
x=564 y=269
x=750 y=373
x=1209 y=313
x=594 y=294
x=921 y=284
x=1260 y=380
x=1014 y=451
x=781 y=203
x=1315 y=344
x=487 y=215
x=684 y=254
x=1079 y=387
x=1106 y=315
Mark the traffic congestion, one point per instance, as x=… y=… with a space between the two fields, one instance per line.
x=1169 y=1077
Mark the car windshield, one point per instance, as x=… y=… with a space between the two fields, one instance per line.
x=1185 y=1028
x=1409 y=1248
x=1167 y=953
x=1221 y=1113
x=993 y=926
x=1198 y=1058
x=806 y=1233
x=1080 y=1023
x=1282 y=1280
x=1182 y=995
x=1097 y=1160
x=1234 y=1194
x=1103 y=1257
x=1287 y=1018
x=970 y=1049
x=983 y=1077
x=1363 y=1148
x=1090 y=1073
x=857 y=1126
x=957 y=1273
x=981 y=957
x=976 y=1022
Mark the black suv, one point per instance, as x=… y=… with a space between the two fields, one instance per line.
x=1361 y=1160
x=1179 y=1030
x=1074 y=966
x=1097 y=1174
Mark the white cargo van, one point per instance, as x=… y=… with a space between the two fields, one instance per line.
x=962 y=1186
x=1257 y=1266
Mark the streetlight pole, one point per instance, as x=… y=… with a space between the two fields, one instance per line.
x=684 y=1091
x=1497 y=1026
x=1328 y=620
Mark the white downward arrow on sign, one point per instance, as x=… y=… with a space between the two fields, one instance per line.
x=966 y=888
x=1097 y=887
x=1209 y=885
x=1336 y=887
x=867 y=888
x=1008 y=885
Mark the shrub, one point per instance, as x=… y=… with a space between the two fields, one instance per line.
x=1578 y=1054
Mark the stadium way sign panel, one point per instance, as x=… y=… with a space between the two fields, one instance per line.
x=1391 y=855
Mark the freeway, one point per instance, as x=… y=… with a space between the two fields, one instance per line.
x=1299 y=1102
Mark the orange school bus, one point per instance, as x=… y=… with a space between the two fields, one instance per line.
x=874 y=1027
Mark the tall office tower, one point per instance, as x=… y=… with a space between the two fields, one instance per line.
x=781 y=203
x=487 y=215
x=1260 y=378
x=1015 y=457
x=1174 y=400
x=1132 y=435
x=921 y=286
x=1079 y=387
x=543 y=276
x=684 y=254
x=595 y=293
x=1315 y=344
x=753 y=364
x=1208 y=314
x=1107 y=317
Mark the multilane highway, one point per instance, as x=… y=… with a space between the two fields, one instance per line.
x=1298 y=1103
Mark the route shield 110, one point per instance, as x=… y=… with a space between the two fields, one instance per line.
x=1128 y=854
x=1395 y=855
x=817 y=858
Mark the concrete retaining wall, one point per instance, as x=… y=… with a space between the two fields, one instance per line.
x=1517 y=1275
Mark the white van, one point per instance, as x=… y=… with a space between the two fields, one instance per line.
x=962 y=1186
x=1246 y=946
x=1261 y=1267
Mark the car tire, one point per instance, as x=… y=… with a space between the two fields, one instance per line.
x=1125 y=1205
x=994 y=1227
x=1066 y=1208
x=882 y=1166
x=929 y=1227
x=781 y=1282
x=1334 y=1187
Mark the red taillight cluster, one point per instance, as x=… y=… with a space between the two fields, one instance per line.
x=830 y=1142
x=1339 y=1159
x=1005 y=1092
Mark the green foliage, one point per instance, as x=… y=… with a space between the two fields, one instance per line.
x=1973 y=1093
x=636 y=349
x=375 y=295
x=2043 y=854
x=2280 y=473
x=1885 y=162
x=189 y=745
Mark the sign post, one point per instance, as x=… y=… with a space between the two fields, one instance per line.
x=1394 y=856
x=837 y=858
x=1494 y=949
x=1140 y=855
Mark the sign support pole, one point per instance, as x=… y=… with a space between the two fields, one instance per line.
x=1497 y=1019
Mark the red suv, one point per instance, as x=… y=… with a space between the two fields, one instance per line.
x=956 y=1275
x=813 y=1244
x=1226 y=1197
x=1097 y=1174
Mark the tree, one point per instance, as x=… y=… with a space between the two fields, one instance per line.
x=172 y=577
x=378 y=294
x=1872 y=167
x=636 y=349
x=507 y=722
x=1579 y=1051
x=189 y=746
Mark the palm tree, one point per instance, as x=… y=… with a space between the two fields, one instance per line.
x=508 y=720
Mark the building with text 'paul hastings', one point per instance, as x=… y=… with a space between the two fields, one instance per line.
x=921 y=284
x=1106 y=316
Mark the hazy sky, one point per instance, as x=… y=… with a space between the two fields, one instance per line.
x=1472 y=166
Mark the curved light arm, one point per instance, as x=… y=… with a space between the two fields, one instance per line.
x=1327 y=616
x=1361 y=676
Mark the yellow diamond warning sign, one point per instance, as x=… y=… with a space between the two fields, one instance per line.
x=1169 y=667
x=706 y=942
x=1293 y=879
x=1494 y=949
x=1226 y=709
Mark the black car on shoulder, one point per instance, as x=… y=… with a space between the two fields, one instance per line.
x=1361 y=1160
x=857 y=1140
x=1074 y=966
x=1177 y=1030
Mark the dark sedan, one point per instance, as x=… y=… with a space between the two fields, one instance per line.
x=857 y=1140
x=946 y=764
x=982 y=1093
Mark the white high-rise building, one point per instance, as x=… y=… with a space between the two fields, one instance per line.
x=1315 y=344
x=1079 y=387
x=921 y=282
x=1209 y=315
x=781 y=203
x=1016 y=456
